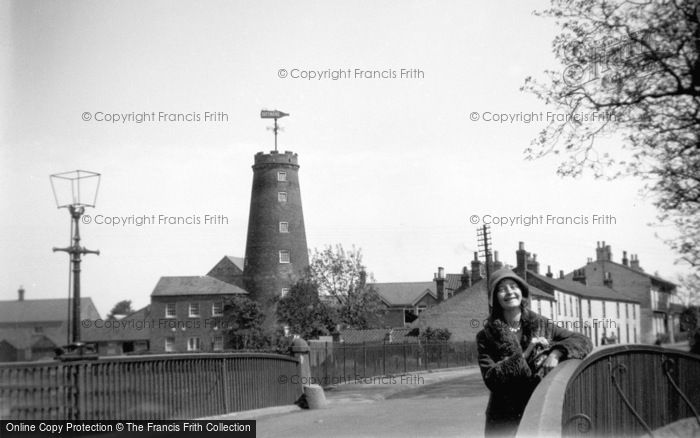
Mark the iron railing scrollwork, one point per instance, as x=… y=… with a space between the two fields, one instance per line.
x=668 y=364
x=583 y=424
x=623 y=369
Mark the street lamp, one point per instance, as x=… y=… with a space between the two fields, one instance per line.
x=75 y=190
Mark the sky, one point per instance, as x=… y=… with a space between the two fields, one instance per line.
x=397 y=167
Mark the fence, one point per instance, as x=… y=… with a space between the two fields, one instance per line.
x=626 y=390
x=147 y=387
x=334 y=363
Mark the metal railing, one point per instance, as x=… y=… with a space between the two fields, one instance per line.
x=178 y=386
x=625 y=390
x=337 y=362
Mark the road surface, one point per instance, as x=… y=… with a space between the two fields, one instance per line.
x=450 y=405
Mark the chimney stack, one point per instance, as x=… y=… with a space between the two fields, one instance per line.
x=549 y=272
x=625 y=261
x=476 y=268
x=20 y=294
x=497 y=264
x=608 y=253
x=465 y=279
x=580 y=276
x=521 y=257
x=561 y=273
x=634 y=262
x=533 y=265
x=440 y=284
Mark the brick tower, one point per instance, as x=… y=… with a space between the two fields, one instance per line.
x=276 y=253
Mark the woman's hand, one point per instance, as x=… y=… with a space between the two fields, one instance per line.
x=551 y=361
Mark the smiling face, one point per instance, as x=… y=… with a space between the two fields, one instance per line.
x=509 y=294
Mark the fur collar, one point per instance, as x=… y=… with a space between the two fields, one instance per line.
x=531 y=325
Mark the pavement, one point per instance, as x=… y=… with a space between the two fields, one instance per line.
x=443 y=403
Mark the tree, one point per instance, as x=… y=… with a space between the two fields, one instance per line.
x=689 y=290
x=430 y=335
x=121 y=308
x=341 y=275
x=243 y=324
x=636 y=65
x=304 y=313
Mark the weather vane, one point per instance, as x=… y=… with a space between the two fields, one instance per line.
x=274 y=114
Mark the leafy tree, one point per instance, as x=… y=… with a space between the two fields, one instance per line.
x=121 y=308
x=636 y=64
x=430 y=335
x=341 y=275
x=243 y=324
x=304 y=313
x=689 y=290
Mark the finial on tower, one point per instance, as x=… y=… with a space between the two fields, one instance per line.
x=273 y=114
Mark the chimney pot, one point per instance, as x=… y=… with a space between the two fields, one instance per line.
x=521 y=245
x=561 y=273
x=20 y=294
x=441 y=272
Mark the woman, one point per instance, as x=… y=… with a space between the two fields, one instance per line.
x=517 y=347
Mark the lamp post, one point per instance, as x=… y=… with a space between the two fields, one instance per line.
x=75 y=190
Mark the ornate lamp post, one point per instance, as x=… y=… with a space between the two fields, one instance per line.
x=75 y=190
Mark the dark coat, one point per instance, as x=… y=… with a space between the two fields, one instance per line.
x=510 y=376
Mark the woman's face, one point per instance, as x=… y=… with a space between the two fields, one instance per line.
x=509 y=294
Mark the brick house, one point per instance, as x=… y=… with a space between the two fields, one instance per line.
x=404 y=301
x=186 y=314
x=659 y=304
x=32 y=329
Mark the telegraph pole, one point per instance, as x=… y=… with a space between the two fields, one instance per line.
x=483 y=237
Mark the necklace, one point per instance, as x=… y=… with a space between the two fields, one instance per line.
x=514 y=329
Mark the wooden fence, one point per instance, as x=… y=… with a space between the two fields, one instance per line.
x=147 y=387
x=625 y=390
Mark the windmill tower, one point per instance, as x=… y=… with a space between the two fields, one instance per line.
x=276 y=254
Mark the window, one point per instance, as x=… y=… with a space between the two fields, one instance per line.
x=634 y=316
x=539 y=307
x=218 y=343
x=627 y=315
x=559 y=306
x=194 y=310
x=617 y=307
x=564 y=299
x=635 y=333
x=589 y=309
x=628 y=333
x=193 y=344
x=285 y=291
x=281 y=176
x=170 y=310
x=38 y=329
x=169 y=345
x=551 y=309
x=284 y=256
x=217 y=308
x=284 y=227
x=603 y=308
x=282 y=196
x=571 y=306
